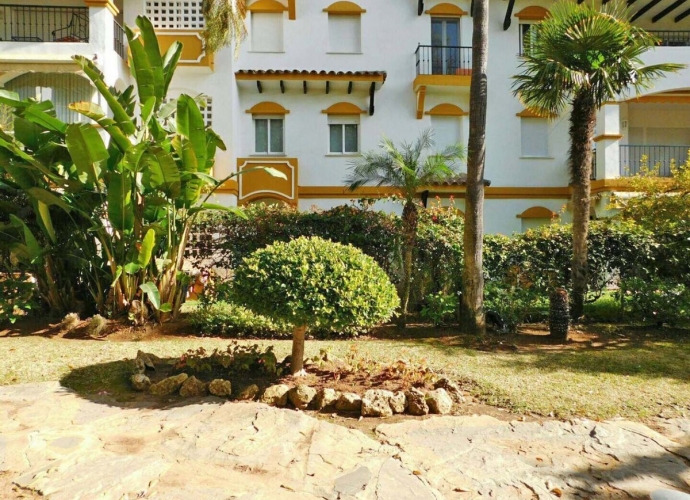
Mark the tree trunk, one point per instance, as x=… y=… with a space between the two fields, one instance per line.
x=582 y=121
x=297 y=362
x=472 y=309
x=410 y=221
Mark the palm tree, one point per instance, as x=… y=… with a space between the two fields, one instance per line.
x=583 y=57
x=406 y=170
x=224 y=23
x=472 y=307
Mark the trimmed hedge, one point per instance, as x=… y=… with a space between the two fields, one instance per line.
x=315 y=283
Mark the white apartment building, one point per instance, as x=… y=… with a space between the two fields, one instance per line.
x=317 y=82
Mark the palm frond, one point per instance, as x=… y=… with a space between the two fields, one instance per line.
x=224 y=24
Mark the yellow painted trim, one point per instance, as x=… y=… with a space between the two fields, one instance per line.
x=601 y=185
x=229 y=187
x=311 y=77
x=193 y=52
x=446 y=9
x=343 y=108
x=258 y=184
x=531 y=113
x=267 y=6
x=344 y=8
x=537 y=213
x=443 y=80
x=421 y=95
x=292 y=10
x=103 y=3
x=602 y=137
x=446 y=109
x=268 y=108
x=661 y=99
x=533 y=13
x=457 y=191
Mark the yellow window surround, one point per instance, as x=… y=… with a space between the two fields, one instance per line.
x=268 y=108
x=344 y=8
x=344 y=108
x=446 y=10
x=532 y=13
x=446 y=109
x=537 y=213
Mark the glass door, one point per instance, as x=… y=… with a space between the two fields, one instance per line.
x=445 y=42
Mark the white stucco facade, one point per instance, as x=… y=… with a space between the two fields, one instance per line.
x=306 y=72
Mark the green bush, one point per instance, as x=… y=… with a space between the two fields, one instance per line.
x=227 y=319
x=374 y=233
x=514 y=304
x=17 y=297
x=656 y=300
x=439 y=308
x=316 y=283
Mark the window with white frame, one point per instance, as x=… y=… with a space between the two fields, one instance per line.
x=344 y=34
x=269 y=134
x=534 y=137
x=343 y=134
x=267 y=32
x=175 y=14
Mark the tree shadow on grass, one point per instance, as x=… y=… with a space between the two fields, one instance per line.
x=659 y=354
x=109 y=383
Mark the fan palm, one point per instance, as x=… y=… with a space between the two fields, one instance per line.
x=224 y=23
x=583 y=57
x=406 y=169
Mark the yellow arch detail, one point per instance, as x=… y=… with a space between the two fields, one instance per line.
x=343 y=108
x=537 y=213
x=533 y=13
x=265 y=6
x=446 y=109
x=268 y=108
x=446 y=9
x=531 y=113
x=344 y=8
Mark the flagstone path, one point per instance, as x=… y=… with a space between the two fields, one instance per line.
x=59 y=445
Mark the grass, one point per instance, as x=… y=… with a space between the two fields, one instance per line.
x=629 y=378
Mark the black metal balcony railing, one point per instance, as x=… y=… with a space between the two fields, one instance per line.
x=672 y=38
x=42 y=23
x=631 y=158
x=120 y=40
x=443 y=60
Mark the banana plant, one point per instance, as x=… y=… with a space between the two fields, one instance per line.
x=114 y=207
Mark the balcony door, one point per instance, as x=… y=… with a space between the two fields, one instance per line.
x=445 y=41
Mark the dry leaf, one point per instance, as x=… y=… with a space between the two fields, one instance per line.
x=558 y=492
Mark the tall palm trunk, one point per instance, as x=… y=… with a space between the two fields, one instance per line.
x=472 y=311
x=582 y=121
x=410 y=220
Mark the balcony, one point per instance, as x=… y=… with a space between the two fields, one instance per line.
x=672 y=38
x=45 y=37
x=440 y=66
x=656 y=156
x=443 y=65
x=43 y=23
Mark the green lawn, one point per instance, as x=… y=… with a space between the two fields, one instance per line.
x=634 y=379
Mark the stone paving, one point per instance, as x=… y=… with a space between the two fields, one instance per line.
x=59 y=445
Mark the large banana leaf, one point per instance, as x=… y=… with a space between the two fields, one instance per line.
x=33 y=247
x=163 y=171
x=122 y=118
x=146 y=62
x=120 y=207
x=190 y=124
x=35 y=113
x=96 y=113
x=87 y=150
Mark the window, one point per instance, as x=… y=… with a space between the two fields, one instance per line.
x=447 y=57
x=267 y=32
x=527 y=37
x=344 y=138
x=535 y=137
x=447 y=131
x=175 y=14
x=268 y=135
x=345 y=34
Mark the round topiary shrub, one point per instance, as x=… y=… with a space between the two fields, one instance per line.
x=315 y=283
